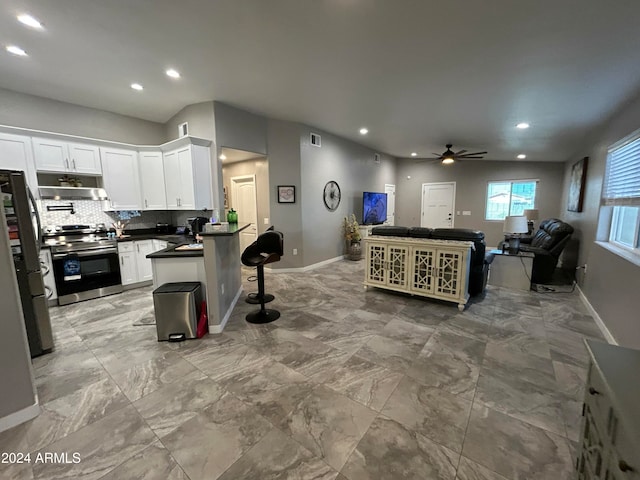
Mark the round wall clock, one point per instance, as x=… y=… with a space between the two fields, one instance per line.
x=332 y=195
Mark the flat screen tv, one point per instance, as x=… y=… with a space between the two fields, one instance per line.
x=374 y=208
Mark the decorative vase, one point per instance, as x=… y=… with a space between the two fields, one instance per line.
x=355 y=250
x=232 y=216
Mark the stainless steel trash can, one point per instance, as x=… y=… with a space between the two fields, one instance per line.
x=177 y=309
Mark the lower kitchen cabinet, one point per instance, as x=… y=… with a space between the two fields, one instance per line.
x=135 y=267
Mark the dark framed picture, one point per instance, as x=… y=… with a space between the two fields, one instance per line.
x=576 y=187
x=286 y=194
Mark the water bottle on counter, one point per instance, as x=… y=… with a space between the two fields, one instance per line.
x=215 y=216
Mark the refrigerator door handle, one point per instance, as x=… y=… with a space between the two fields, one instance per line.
x=38 y=223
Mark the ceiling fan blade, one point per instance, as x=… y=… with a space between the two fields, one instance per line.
x=460 y=152
x=473 y=153
x=466 y=157
x=438 y=155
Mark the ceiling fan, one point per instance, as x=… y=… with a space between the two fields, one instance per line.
x=449 y=156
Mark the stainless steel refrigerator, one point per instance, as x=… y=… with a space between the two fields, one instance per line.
x=23 y=228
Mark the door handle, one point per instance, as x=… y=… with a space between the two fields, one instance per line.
x=66 y=161
x=122 y=261
x=73 y=161
x=146 y=204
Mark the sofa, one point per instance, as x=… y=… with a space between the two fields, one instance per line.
x=547 y=245
x=479 y=267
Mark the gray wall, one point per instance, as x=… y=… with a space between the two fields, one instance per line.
x=240 y=129
x=260 y=168
x=200 y=118
x=39 y=113
x=611 y=283
x=284 y=169
x=471 y=179
x=15 y=365
x=352 y=166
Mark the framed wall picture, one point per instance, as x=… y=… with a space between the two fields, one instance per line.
x=286 y=194
x=576 y=187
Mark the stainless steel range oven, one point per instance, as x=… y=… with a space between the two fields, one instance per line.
x=85 y=263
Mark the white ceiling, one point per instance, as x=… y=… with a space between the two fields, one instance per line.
x=417 y=73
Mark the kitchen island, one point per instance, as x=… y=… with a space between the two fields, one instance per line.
x=216 y=265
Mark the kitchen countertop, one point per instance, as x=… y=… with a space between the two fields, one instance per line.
x=225 y=229
x=171 y=252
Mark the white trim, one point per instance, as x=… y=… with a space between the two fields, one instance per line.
x=21 y=416
x=220 y=327
x=307 y=268
x=603 y=328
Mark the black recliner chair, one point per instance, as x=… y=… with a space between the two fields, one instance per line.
x=547 y=245
x=268 y=248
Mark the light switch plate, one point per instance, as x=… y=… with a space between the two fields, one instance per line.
x=466 y=212
x=266 y=221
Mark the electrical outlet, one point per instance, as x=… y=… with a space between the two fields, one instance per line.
x=295 y=251
x=222 y=289
x=466 y=212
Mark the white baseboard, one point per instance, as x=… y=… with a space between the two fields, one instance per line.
x=307 y=268
x=603 y=328
x=21 y=416
x=219 y=328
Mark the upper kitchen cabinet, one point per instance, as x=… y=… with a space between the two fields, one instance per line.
x=187 y=173
x=152 y=180
x=16 y=154
x=121 y=179
x=66 y=157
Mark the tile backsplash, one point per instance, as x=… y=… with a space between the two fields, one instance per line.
x=90 y=212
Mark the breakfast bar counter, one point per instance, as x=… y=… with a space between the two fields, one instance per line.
x=216 y=265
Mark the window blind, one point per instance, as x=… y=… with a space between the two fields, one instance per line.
x=622 y=176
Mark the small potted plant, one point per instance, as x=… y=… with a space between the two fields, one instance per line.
x=351 y=232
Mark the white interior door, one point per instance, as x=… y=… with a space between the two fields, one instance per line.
x=390 y=190
x=243 y=200
x=438 y=204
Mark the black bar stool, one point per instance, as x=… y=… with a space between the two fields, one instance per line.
x=255 y=298
x=268 y=248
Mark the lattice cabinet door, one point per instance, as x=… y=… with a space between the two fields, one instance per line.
x=376 y=263
x=397 y=265
x=450 y=273
x=422 y=269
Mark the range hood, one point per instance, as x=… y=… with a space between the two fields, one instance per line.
x=73 y=193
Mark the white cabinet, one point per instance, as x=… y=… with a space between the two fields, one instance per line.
x=152 y=180
x=16 y=154
x=430 y=268
x=46 y=267
x=121 y=179
x=187 y=173
x=66 y=157
x=135 y=267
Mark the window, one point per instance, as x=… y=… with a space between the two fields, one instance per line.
x=621 y=190
x=509 y=198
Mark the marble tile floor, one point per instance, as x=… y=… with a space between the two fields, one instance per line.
x=348 y=384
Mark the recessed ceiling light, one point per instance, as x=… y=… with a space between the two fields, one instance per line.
x=364 y=131
x=413 y=154
x=16 y=50
x=29 y=21
x=223 y=157
x=173 y=73
x=522 y=125
x=522 y=156
x=137 y=86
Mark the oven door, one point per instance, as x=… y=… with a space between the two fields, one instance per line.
x=86 y=270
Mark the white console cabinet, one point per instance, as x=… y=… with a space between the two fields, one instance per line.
x=610 y=440
x=425 y=267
